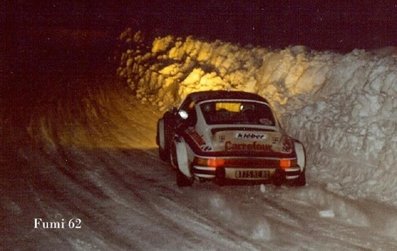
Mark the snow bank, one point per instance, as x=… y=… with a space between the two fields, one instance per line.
x=343 y=107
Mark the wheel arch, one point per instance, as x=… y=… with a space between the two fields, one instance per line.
x=182 y=156
x=300 y=152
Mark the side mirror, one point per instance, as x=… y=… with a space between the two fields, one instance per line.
x=183 y=114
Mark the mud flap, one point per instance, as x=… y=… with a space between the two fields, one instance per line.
x=300 y=155
x=182 y=158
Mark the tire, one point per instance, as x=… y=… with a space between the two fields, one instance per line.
x=301 y=180
x=164 y=154
x=278 y=178
x=182 y=180
x=219 y=182
x=172 y=157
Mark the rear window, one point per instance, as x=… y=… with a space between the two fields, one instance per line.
x=233 y=112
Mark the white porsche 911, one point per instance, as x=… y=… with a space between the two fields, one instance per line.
x=229 y=135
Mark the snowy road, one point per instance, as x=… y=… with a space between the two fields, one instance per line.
x=88 y=153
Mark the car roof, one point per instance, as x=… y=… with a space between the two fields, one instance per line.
x=206 y=95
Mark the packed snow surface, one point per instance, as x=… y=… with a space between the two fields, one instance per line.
x=89 y=153
x=342 y=107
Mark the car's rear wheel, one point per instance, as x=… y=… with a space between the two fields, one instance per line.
x=182 y=180
x=301 y=180
x=164 y=153
x=278 y=178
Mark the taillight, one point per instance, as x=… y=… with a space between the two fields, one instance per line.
x=287 y=163
x=216 y=162
x=212 y=162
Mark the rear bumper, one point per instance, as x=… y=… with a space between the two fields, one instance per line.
x=245 y=173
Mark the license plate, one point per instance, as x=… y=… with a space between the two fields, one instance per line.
x=251 y=174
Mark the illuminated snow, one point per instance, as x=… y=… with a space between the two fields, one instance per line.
x=342 y=107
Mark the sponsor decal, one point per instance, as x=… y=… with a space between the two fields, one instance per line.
x=251 y=136
x=195 y=136
x=254 y=146
x=286 y=145
x=205 y=148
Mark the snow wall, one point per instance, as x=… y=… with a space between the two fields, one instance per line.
x=342 y=107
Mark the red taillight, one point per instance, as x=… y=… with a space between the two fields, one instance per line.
x=212 y=162
x=216 y=162
x=285 y=163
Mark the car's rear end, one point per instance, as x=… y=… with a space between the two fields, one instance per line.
x=241 y=140
x=243 y=168
x=236 y=138
x=248 y=155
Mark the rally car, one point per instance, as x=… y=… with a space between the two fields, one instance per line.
x=229 y=135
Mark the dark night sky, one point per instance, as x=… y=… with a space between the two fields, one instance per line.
x=339 y=25
x=48 y=34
